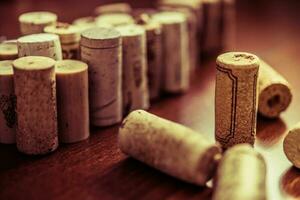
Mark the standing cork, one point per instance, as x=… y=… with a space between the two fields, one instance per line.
x=7 y=104
x=101 y=50
x=42 y=44
x=69 y=36
x=175 y=51
x=35 y=22
x=72 y=100
x=168 y=147
x=85 y=23
x=114 y=19
x=211 y=39
x=135 y=82
x=34 y=83
x=291 y=145
x=274 y=92
x=241 y=174
x=8 y=50
x=154 y=58
x=113 y=8
x=235 y=98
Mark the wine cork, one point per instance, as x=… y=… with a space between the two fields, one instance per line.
x=241 y=174
x=274 y=92
x=72 y=100
x=85 y=23
x=69 y=36
x=235 y=98
x=34 y=84
x=35 y=22
x=192 y=32
x=135 y=82
x=175 y=51
x=114 y=19
x=168 y=147
x=101 y=50
x=8 y=50
x=291 y=145
x=42 y=44
x=8 y=115
x=113 y=8
x=154 y=50
x=228 y=24
x=211 y=40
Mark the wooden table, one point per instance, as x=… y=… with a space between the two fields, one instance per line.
x=96 y=169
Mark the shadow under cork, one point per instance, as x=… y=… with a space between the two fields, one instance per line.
x=290 y=182
x=131 y=179
x=270 y=131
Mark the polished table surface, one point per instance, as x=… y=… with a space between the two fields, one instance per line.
x=96 y=169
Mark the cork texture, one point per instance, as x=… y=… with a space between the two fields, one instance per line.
x=135 y=82
x=275 y=94
x=35 y=89
x=236 y=98
x=175 y=51
x=72 y=100
x=168 y=147
x=8 y=50
x=8 y=115
x=42 y=44
x=101 y=50
x=243 y=170
x=291 y=145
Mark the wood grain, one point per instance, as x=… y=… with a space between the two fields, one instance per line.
x=96 y=169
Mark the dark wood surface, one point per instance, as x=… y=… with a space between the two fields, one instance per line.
x=96 y=169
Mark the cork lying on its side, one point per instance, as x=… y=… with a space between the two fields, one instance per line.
x=42 y=44
x=35 y=22
x=69 y=36
x=241 y=174
x=72 y=100
x=35 y=89
x=8 y=50
x=8 y=115
x=168 y=147
x=114 y=19
x=291 y=145
x=275 y=93
x=236 y=98
x=113 y=8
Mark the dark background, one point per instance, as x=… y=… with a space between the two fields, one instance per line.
x=96 y=169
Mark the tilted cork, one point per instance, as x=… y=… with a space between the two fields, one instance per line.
x=168 y=147
x=291 y=145
x=243 y=170
x=236 y=98
x=275 y=93
x=8 y=115
x=35 y=89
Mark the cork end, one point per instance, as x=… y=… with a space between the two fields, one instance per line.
x=131 y=30
x=38 y=17
x=291 y=147
x=8 y=49
x=113 y=8
x=235 y=60
x=114 y=19
x=33 y=63
x=169 y=17
x=6 y=67
x=70 y=67
x=39 y=37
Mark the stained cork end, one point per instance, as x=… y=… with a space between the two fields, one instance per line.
x=6 y=68
x=238 y=60
x=291 y=146
x=66 y=67
x=100 y=38
x=31 y=63
x=67 y=33
x=169 y=17
x=38 y=17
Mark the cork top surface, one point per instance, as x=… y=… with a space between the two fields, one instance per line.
x=8 y=48
x=85 y=20
x=240 y=149
x=131 y=30
x=38 y=17
x=33 y=63
x=113 y=8
x=115 y=19
x=291 y=146
x=70 y=66
x=6 y=67
x=38 y=38
x=237 y=60
x=169 y=17
x=100 y=38
x=66 y=32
